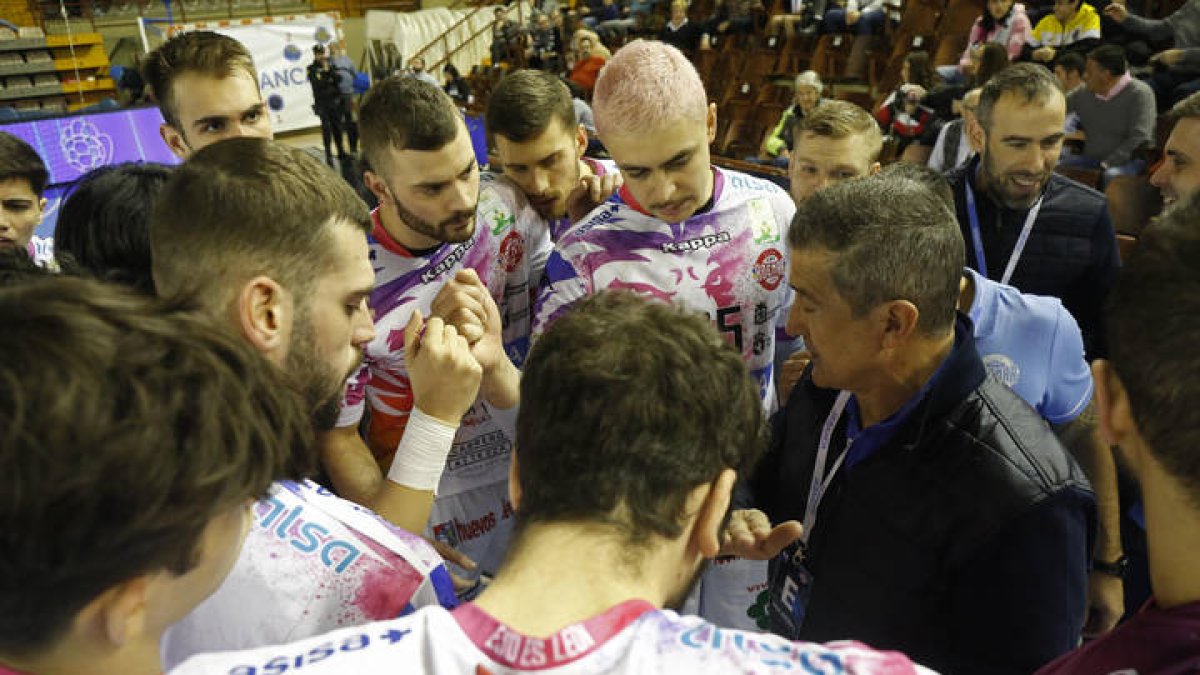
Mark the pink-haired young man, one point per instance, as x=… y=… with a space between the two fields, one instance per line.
x=682 y=231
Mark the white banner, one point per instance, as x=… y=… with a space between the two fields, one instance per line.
x=282 y=50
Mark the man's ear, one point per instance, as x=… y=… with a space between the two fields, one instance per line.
x=375 y=184
x=898 y=320
x=581 y=141
x=712 y=122
x=121 y=611
x=875 y=168
x=175 y=141
x=710 y=516
x=976 y=134
x=264 y=312
x=1112 y=405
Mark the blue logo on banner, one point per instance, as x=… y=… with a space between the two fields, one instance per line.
x=292 y=53
x=275 y=102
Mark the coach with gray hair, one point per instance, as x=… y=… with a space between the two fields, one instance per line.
x=942 y=517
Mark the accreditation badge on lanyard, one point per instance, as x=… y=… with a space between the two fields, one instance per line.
x=791 y=581
x=977 y=237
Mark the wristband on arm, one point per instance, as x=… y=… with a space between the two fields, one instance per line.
x=421 y=454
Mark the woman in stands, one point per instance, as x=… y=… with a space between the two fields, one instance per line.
x=1005 y=23
x=455 y=86
x=902 y=115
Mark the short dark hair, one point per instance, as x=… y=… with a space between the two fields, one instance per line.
x=245 y=207
x=1188 y=108
x=201 y=51
x=1153 y=328
x=1070 y=61
x=405 y=113
x=1111 y=58
x=1030 y=81
x=18 y=159
x=124 y=430
x=618 y=423
x=894 y=239
x=525 y=102
x=921 y=174
x=17 y=267
x=103 y=226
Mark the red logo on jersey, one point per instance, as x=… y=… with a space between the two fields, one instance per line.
x=770 y=269
x=512 y=251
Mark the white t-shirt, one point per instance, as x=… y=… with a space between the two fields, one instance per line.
x=632 y=637
x=312 y=562
x=507 y=250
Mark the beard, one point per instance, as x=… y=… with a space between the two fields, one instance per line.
x=1016 y=190
x=458 y=228
x=318 y=382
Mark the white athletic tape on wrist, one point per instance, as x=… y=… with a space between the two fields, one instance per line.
x=421 y=454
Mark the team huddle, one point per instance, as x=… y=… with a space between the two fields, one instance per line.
x=643 y=414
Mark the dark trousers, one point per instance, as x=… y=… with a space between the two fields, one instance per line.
x=331 y=127
x=347 y=121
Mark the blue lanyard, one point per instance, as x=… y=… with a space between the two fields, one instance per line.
x=977 y=237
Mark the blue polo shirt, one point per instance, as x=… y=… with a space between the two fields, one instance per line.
x=1032 y=344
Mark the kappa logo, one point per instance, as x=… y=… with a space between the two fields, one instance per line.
x=512 y=251
x=770 y=269
x=699 y=243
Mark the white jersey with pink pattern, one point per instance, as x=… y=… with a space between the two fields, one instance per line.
x=632 y=637
x=728 y=261
x=311 y=563
x=508 y=251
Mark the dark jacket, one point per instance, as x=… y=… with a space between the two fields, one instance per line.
x=324 y=81
x=1071 y=254
x=963 y=541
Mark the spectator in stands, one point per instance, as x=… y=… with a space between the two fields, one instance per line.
x=343 y=66
x=988 y=59
x=867 y=18
x=546 y=47
x=616 y=20
x=1178 y=177
x=953 y=147
x=103 y=226
x=327 y=101
x=1003 y=22
x=1068 y=68
x=206 y=86
x=901 y=115
x=1116 y=114
x=456 y=86
x=416 y=68
x=23 y=179
x=837 y=142
x=799 y=14
x=955 y=527
x=1146 y=394
x=505 y=36
x=1177 y=72
x=586 y=66
x=734 y=16
x=1023 y=224
x=1073 y=27
x=132 y=441
x=777 y=147
x=679 y=32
